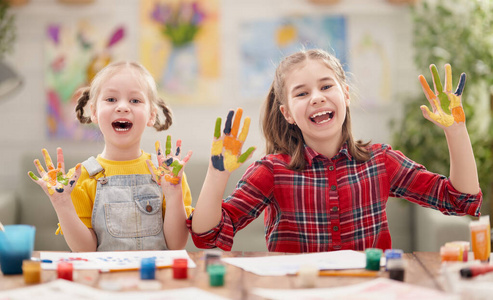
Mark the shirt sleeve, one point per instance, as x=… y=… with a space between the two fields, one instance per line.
x=412 y=181
x=252 y=195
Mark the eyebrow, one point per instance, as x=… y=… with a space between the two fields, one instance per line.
x=320 y=80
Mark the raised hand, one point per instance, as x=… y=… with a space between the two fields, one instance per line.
x=170 y=166
x=446 y=106
x=226 y=148
x=55 y=182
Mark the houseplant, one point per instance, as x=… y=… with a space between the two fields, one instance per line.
x=7 y=29
x=456 y=32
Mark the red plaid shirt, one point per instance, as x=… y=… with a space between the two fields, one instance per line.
x=334 y=203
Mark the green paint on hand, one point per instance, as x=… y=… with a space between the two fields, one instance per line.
x=444 y=101
x=31 y=174
x=176 y=167
x=168 y=145
x=62 y=179
x=217 y=129
x=245 y=155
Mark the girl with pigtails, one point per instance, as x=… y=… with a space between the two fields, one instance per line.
x=125 y=198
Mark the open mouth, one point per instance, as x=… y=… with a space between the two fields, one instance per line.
x=122 y=125
x=322 y=117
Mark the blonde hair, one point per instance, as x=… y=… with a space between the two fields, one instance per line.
x=284 y=138
x=88 y=94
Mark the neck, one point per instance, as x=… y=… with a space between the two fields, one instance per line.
x=328 y=148
x=118 y=154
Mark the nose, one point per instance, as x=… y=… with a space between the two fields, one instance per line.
x=317 y=98
x=122 y=106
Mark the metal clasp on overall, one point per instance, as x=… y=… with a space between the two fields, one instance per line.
x=103 y=180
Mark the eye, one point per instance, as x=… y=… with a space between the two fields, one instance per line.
x=110 y=99
x=301 y=94
x=135 y=101
x=326 y=87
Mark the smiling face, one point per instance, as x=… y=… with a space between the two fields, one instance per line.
x=122 y=111
x=316 y=102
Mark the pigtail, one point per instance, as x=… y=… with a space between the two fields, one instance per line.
x=81 y=103
x=167 y=115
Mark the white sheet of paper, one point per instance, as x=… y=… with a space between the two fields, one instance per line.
x=281 y=265
x=113 y=260
x=63 y=289
x=377 y=289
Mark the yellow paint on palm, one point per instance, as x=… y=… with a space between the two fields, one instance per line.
x=49 y=187
x=217 y=147
x=230 y=161
x=70 y=173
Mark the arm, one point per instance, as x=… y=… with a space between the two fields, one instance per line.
x=225 y=158
x=448 y=114
x=58 y=186
x=169 y=176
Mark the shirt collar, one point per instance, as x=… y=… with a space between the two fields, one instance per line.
x=311 y=154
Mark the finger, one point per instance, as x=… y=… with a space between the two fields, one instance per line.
x=448 y=78
x=159 y=153
x=178 y=147
x=427 y=90
x=60 y=160
x=152 y=170
x=426 y=112
x=39 y=167
x=217 y=129
x=436 y=79
x=187 y=158
x=33 y=177
x=460 y=86
x=48 y=161
x=236 y=124
x=244 y=130
x=176 y=167
x=75 y=175
x=227 y=125
x=168 y=145
x=246 y=155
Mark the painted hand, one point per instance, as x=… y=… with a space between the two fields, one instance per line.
x=170 y=166
x=226 y=148
x=447 y=106
x=55 y=180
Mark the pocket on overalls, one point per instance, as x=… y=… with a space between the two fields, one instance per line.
x=134 y=219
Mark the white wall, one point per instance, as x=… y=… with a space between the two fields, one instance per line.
x=23 y=117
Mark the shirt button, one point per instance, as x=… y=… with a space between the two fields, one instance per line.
x=331 y=168
x=333 y=187
x=336 y=228
x=335 y=208
x=149 y=208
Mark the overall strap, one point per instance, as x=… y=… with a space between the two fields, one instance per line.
x=92 y=166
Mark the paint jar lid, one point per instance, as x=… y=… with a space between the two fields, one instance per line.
x=393 y=253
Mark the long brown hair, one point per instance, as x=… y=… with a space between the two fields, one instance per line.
x=90 y=93
x=284 y=138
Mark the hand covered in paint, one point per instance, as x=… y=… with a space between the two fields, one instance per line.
x=226 y=148
x=55 y=182
x=447 y=106
x=170 y=166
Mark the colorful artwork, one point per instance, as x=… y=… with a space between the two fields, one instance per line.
x=265 y=43
x=74 y=54
x=180 y=47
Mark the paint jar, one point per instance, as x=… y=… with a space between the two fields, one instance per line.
x=180 y=268
x=463 y=247
x=212 y=256
x=373 y=256
x=396 y=268
x=480 y=240
x=16 y=245
x=307 y=276
x=392 y=254
x=450 y=253
x=216 y=274
x=65 y=270
x=31 y=271
x=148 y=268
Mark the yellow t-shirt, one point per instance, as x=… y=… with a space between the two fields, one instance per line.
x=84 y=192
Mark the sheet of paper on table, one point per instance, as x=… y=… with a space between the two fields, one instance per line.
x=112 y=260
x=280 y=265
x=378 y=289
x=63 y=289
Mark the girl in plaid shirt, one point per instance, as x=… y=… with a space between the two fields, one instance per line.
x=322 y=190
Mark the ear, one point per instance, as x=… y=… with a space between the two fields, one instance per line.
x=152 y=117
x=287 y=115
x=94 y=117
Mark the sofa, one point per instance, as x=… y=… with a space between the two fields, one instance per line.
x=412 y=227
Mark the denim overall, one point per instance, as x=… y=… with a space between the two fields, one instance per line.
x=127 y=212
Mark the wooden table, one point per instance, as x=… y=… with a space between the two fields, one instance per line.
x=238 y=282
